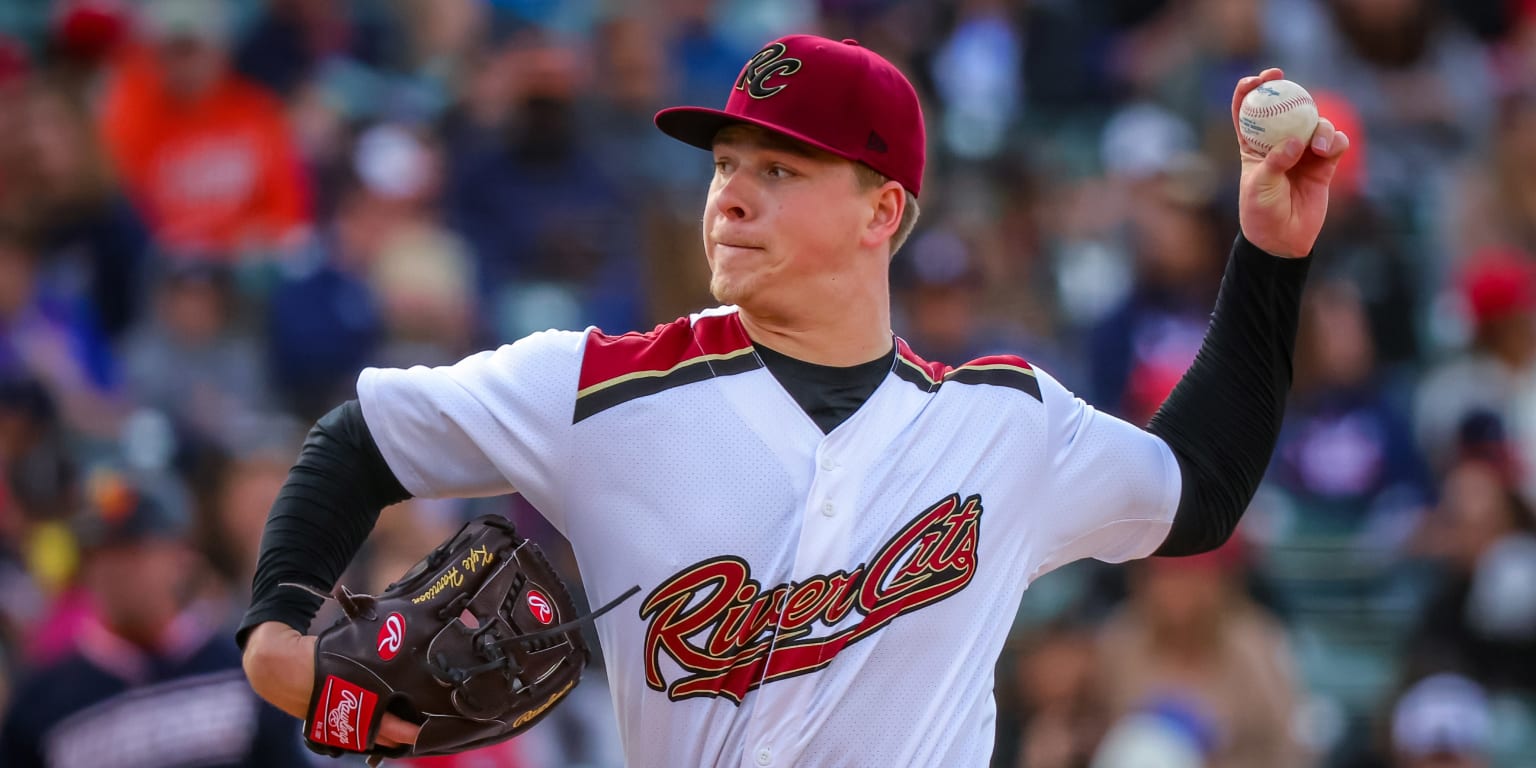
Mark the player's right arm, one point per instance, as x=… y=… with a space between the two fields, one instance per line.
x=320 y=518
x=491 y=424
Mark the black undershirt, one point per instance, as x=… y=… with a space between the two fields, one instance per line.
x=828 y=394
x=320 y=518
x=1223 y=417
x=1221 y=423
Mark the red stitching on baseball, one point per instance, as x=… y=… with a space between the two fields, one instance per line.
x=1278 y=107
x=1259 y=145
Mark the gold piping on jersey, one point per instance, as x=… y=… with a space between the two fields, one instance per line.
x=598 y=387
x=603 y=395
x=1020 y=377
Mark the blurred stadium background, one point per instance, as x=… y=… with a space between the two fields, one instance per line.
x=214 y=214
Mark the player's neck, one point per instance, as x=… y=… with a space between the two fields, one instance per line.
x=843 y=338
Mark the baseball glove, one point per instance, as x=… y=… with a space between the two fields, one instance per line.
x=476 y=643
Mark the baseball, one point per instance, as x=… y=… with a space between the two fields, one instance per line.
x=1276 y=111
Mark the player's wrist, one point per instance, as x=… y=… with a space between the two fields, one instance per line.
x=1265 y=249
x=277 y=663
x=267 y=646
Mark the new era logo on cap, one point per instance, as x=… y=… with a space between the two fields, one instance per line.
x=836 y=96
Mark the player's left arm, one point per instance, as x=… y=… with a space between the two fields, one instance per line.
x=1223 y=418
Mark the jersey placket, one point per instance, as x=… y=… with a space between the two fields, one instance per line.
x=829 y=521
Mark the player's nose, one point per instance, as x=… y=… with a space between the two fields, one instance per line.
x=733 y=198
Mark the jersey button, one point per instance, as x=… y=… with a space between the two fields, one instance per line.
x=828 y=508
x=764 y=757
x=828 y=464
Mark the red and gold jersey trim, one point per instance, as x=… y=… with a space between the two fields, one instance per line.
x=618 y=369
x=995 y=370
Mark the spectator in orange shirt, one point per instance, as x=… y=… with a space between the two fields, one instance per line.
x=207 y=156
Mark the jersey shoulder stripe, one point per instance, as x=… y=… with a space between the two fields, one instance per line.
x=617 y=369
x=995 y=370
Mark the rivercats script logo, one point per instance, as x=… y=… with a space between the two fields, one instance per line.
x=719 y=623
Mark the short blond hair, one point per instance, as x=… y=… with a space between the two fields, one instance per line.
x=869 y=179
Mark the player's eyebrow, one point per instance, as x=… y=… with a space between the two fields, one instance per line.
x=753 y=136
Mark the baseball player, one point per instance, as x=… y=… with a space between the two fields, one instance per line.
x=831 y=533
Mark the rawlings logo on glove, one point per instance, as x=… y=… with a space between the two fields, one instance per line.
x=342 y=710
x=391 y=636
x=475 y=643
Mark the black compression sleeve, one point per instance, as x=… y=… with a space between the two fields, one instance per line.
x=1223 y=418
x=321 y=516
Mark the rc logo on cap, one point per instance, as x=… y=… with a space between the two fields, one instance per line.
x=768 y=62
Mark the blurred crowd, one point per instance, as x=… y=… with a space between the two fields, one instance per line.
x=213 y=214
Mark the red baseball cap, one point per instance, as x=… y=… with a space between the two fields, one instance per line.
x=836 y=96
x=1499 y=282
x=13 y=60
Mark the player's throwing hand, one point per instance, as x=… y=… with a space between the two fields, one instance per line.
x=1283 y=196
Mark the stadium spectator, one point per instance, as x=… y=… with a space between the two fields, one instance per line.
x=546 y=222
x=1189 y=632
x=93 y=247
x=1442 y=721
x=1346 y=451
x=191 y=362
x=1052 y=713
x=1498 y=291
x=207 y=156
x=1482 y=622
x=148 y=661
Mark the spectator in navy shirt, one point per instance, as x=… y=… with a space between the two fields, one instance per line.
x=153 y=682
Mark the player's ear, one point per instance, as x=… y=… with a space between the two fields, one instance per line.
x=888 y=202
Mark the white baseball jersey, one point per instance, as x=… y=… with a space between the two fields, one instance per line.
x=807 y=599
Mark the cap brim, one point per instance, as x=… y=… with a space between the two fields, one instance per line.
x=698 y=125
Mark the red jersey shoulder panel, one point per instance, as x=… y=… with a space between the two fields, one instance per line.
x=617 y=369
x=661 y=349
x=997 y=370
x=608 y=357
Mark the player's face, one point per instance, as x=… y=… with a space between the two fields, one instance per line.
x=782 y=221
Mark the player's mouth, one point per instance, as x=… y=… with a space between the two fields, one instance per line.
x=737 y=244
x=727 y=246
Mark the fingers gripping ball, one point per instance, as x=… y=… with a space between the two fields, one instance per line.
x=1276 y=111
x=476 y=643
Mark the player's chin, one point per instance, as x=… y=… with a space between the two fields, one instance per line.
x=734 y=281
x=739 y=286
x=728 y=290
